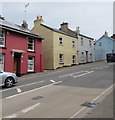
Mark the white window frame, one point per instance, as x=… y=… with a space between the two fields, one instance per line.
x=73 y=43
x=2 y=37
x=82 y=41
x=2 y=62
x=90 y=44
x=61 y=58
x=31 y=64
x=73 y=59
x=82 y=56
x=60 y=41
x=32 y=44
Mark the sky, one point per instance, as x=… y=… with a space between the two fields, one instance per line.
x=93 y=18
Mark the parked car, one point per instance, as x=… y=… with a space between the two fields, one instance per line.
x=110 y=57
x=7 y=79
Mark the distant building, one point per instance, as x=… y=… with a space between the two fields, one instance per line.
x=85 y=44
x=59 y=48
x=104 y=45
x=20 y=49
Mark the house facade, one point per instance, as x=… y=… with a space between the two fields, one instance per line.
x=59 y=48
x=85 y=44
x=104 y=45
x=20 y=49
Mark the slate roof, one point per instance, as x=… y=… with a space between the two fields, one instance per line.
x=16 y=28
x=59 y=31
x=106 y=37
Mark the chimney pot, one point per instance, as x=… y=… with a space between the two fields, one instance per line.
x=25 y=25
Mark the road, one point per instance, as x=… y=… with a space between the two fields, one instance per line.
x=59 y=93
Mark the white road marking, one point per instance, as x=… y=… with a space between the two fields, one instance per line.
x=92 y=101
x=70 y=74
x=83 y=74
x=33 y=90
x=30 y=108
x=19 y=90
x=52 y=81
x=22 y=111
x=22 y=86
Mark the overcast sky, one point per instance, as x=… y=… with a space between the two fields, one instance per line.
x=93 y=18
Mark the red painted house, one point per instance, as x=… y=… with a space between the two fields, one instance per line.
x=20 y=49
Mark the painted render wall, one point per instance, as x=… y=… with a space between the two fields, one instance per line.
x=107 y=46
x=66 y=49
x=85 y=47
x=47 y=44
x=20 y=42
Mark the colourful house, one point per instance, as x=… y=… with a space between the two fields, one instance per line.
x=59 y=48
x=85 y=44
x=20 y=49
x=104 y=45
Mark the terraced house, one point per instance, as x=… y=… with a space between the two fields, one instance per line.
x=85 y=44
x=20 y=49
x=59 y=48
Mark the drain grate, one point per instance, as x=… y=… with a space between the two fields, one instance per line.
x=37 y=97
x=89 y=104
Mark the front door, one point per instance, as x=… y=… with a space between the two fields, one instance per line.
x=86 y=56
x=17 y=64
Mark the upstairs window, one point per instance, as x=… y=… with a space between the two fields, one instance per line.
x=90 y=43
x=82 y=41
x=73 y=43
x=2 y=38
x=60 y=41
x=61 y=58
x=100 y=44
x=30 y=44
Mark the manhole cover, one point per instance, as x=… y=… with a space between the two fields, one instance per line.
x=37 y=97
x=89 y=104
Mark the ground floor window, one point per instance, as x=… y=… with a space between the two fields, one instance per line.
x=73 y=59
x=30 y=64
x=91 y=57
x=82 y=56
x=61 y=58
x=1 y=61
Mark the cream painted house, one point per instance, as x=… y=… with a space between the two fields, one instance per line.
x=59 y=48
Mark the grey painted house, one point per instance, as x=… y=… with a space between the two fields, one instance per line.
x=104 y=45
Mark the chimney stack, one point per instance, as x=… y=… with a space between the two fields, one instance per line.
x=106 y=33
x=64 y=27
x=25 y=25
x=77 y=30
x=39 y=20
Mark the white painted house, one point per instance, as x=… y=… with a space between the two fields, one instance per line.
x=85 y=44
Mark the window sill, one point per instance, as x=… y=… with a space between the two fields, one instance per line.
x=31 y=51
x=61 y=63
x=3 y=47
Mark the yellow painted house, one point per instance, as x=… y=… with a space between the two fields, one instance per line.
x=59 y=48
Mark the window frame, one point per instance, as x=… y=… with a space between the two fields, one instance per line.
x=61 y=41
x=73 y=44
x=33 y=44
x=2 y=63
x=82 y=41
x=73 y=59
x=3 y=37
x=61 y=58
x=32 y=62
